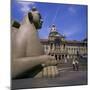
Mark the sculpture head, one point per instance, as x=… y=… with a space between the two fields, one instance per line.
x=35 y=18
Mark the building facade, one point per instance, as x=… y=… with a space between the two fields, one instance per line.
x=56 y=45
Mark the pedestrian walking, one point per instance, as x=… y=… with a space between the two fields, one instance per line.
x=77 y=64
x=73 y=63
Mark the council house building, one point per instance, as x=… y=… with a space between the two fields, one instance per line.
x=56 y=45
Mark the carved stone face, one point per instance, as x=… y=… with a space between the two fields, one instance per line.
x=35 y=18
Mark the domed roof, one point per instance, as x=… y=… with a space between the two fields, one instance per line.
x=57 y=35
x=53 y=32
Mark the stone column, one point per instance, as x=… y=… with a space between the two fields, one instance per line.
x=44 y=72
x=50 y=71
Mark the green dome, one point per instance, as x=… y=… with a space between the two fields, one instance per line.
x=53 y=33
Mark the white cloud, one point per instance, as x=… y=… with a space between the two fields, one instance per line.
x=25 y=6
x=72 y=31
x=72 y=10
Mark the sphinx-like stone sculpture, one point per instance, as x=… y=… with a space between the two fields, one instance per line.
x=27 y=51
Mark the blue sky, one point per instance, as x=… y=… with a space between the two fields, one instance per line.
x=70 y=20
